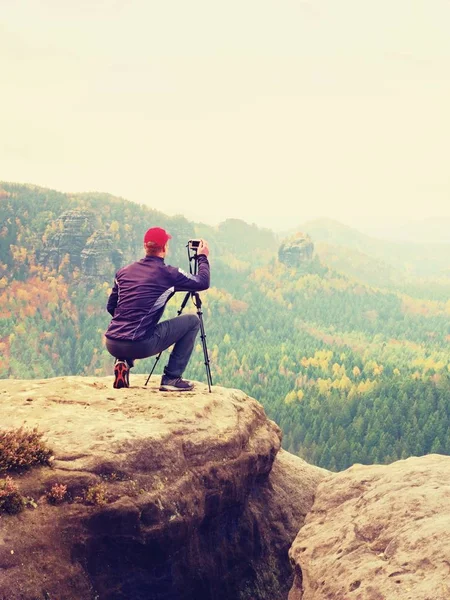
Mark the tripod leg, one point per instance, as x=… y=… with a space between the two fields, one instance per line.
x=183 y=304
x=151 y=372
x=198 y=304
x=205 y=354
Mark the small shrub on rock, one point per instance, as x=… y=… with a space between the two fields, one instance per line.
x=96 y=495
x=21 y=449
x=57 y=493
x=10 y=499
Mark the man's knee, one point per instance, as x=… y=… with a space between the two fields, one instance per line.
x=193 y=320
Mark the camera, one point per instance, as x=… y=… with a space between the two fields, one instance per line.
x=194 y=244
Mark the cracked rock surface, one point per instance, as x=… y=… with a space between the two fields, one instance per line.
x=377 y=533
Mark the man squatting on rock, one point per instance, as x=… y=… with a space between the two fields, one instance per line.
x=137 y=301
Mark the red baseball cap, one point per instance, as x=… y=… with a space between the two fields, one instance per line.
x=158 y=236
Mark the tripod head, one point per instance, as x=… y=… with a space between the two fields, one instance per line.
x=194 y=245
x=192 y=250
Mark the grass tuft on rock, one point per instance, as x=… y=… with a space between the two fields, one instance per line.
x=96 y=495
x=21 y=449
x=11 y=501
x=57 y=494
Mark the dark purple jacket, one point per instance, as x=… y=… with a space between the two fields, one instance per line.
x=141 y=291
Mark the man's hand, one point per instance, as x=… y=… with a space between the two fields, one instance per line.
x=203 y=248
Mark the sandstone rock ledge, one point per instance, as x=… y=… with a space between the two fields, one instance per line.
x=199 y=505
x=378 y=533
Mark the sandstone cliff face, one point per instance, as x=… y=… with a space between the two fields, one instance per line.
x=100 y=258
x=201 y=502
x=89 y=249
x=73 y=229
x=296 y=250
x=378 y=533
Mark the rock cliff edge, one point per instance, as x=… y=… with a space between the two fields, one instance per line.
x=169 y=496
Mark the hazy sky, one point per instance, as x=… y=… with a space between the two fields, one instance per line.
x=271 y=111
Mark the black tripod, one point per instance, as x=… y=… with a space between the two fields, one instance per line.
x=192 y=257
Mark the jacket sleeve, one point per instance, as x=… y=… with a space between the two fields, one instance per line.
x=185 y=282
x=112 y=300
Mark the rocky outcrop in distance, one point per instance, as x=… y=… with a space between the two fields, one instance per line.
x=169 y=496
x=99 y=256
x=71 y=232
x=296 y=250
x=89 y=249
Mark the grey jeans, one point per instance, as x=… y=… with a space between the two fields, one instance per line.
x=180 y=331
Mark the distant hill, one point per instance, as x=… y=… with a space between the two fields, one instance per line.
x=30 y=212
x=413 y=258
x=432 y=230
x=356 y=263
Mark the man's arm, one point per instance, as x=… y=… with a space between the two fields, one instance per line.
x=186 y=282
x=112 y=300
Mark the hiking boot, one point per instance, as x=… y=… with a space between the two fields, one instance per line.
x=176 y=384
x=121 y=374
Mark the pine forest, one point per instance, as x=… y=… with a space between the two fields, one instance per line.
x=347 y=348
